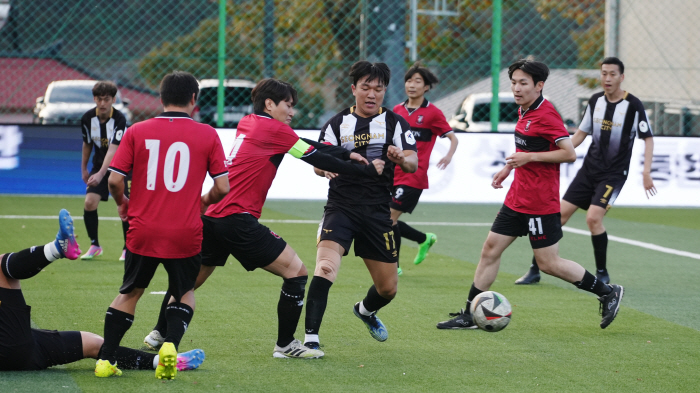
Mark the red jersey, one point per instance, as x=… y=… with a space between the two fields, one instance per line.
x=535 y=188
x=427 y=123
x=170 y=156
x=252 y=162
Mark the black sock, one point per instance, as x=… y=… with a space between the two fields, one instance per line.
x=534 y=268
x=179 y=316
x=24 y=264
x=316 y=301
x=91 y=221
x=397 y=241
x=473 y=292
x=289 y=308
x=162 y=324
x=116 y=325
x=411 y=233
x=125 y=229
x=600 y=250
x=591 y=284
x=374 y=301
x=132 y=359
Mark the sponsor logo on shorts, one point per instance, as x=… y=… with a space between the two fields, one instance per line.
x=327 y=230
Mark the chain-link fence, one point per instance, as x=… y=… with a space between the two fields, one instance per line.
x=312 y=43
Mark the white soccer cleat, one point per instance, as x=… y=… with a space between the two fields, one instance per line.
x=296 y=350
x=154 y=340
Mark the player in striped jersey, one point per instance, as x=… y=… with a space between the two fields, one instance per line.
x=613 y=118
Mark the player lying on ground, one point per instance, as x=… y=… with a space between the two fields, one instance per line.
x=358 y=207
x=427 y=123
x=532 y=204
x=231 y=227
x=23 y=348
x=612 y=117
x=164 y=211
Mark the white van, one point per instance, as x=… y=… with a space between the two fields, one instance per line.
x=474 y=115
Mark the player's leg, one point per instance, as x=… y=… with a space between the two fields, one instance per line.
x=385 y=279
x=599 y=238
x=395 y=214
x=328 y=257
x=125 y=224
x=92 y=199
x=406 y=201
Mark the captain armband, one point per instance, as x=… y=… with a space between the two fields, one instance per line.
x=300 y=149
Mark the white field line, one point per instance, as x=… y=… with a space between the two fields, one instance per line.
x=649 y=246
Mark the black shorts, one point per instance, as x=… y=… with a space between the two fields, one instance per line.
x=102 y=189
x=405 y=198
x=182 y=273
x=254 y=245
x=586 y=190
x=543 y=230
x=369 y=225
x=24 y=348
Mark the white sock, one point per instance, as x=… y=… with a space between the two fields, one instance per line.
x=311 y=338
x=155 y=361
x=363 y=310
x=51 y=252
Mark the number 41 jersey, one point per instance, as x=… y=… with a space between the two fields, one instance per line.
x=170 y=156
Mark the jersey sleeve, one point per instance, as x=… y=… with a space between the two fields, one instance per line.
x=553 y=128
x=641 y=122
x=216 y=165
x=283 y=139
x=119 y=130
x=85 y=128
x=403 y=136
x=587 y=120
x=328 y=134
x=439 y=125
x=123 y=160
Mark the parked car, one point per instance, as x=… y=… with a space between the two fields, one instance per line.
x=474 y=115
x=65 y=102
x=237 y=101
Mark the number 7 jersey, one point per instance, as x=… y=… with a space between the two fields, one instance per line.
x=170 y=156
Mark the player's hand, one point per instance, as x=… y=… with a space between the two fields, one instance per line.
x=330 y=175
x=95 y=180
x=86 y=175
x=499 y=177
x=518 y=159
x=358 y=157
x=444 y=162
x=649 y=188
x=123 y=209
x=395 y=154
x=378 y=165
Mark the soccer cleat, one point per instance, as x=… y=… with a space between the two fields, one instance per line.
x=123 y=257
x=167 y=362
x=461 y=320
x=104 y=369
x=296 y=350
x=312 y=345
x=65 y=238
x=529 y=278
x=423 y=248
x=190 y=360
x=603 y=276
x=154 y=340
x=93 y=251
x=374 y=325
x=610 y=304
x=399 y=271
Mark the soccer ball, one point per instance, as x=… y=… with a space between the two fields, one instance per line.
x=491 y=311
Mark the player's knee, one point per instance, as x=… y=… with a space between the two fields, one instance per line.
x=326 y=270
x=594 y=221
x=387 y=292
x=489 y=252
x=92 y=343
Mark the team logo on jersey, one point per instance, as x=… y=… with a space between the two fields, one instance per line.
x=409 y=137
x=275 y=235
x=643 y=126
x=420 y=119
x=527 y=126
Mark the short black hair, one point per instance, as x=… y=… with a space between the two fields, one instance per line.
x=373 y=71
x=177 y=88
x=104 y=88
x=274 y=89
x=614 y=60
x=538 y=71
x=417 y=68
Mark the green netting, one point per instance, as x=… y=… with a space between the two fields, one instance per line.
x=313 y=43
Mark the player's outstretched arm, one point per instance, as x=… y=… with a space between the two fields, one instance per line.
x=331 y=164
x=87 y=149
x=649 y=188
x=218 y=192
x=95 y=179
x=578 y=138
x=116 y=189
x=406 y=159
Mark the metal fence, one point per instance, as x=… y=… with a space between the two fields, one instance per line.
x=312 y=43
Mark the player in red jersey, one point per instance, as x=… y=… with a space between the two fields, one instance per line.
x=532 y=204
x=170 y=156
x=427 y=123
x=231 y=227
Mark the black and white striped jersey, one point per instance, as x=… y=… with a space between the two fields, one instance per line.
x=613 y=126
x=370 y=137
x=102 y=134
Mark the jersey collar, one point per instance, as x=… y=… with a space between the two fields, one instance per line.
x=535 y=105
x=263 y=114
x=424 y=104
x=352 y=111
x=174 y=114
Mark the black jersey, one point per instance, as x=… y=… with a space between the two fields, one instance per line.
x=102 y=134
x=613 y=126
x=370 y=137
